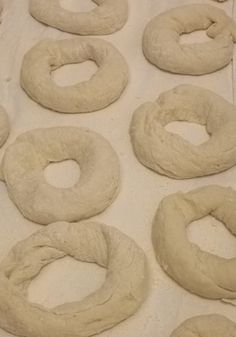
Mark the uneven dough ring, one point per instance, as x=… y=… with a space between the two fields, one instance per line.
x=107 y=18
x=23 y=171
x=104 y=87
x=118 y=298
x=4 y=126
x=161 y=44
x=206 y=326
x=202 y=273
x=168 y=153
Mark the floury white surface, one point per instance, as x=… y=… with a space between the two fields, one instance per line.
x=167 y=305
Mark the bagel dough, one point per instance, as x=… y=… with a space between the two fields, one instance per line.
x=168 y=153
x=4 y=126
x=161 y=45
x=199 y=272
x=103 y=88
x=23 y=171
x=206 y=326
x=122 y=293
x=107 y=18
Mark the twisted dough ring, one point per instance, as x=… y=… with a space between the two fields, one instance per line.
x=119 y=297
x=202 y=273
x=107 y=18
x=104 y=87
x=23 y=171
x=4 y=126
x=206 y=326
x=170 y=154
x=161 y=40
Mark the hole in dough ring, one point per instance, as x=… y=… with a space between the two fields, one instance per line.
x=104 y=87
x=162 y=48
x=199 y=272
x=23 y=171
x=107 y=18
x=205 y=326
x=120 y=296
x=170 y=154
x=5 y=127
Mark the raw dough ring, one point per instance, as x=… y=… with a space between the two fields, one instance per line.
x=107 y=18
x=103 y=88
x=161 y=44
x=200 y=272
x=4 y=126
x=23 y=171
x=119 y=297
x=206 y=326
x=168 y=153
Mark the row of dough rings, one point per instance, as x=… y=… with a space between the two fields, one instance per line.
x=5 y=126
x=23 y=167
x=179 y=108
x=161 y=40
x=119 y=297
x=170 y=154
x=206 y=326
x=107 y=18
x=104 y=87
x=199 y=272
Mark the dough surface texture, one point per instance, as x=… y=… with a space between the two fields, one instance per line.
x=122 y=293
x=102 y=89
x=108 y=17
x=162 y=47
x=23 y=167
x=206 y=326
x=197 y=271
x=4 y=126
x=170 y=154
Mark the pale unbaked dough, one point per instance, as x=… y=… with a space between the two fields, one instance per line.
x=23 y=167
x=168 y=153
x=107 y=18
x=122 y=293
x=4 y=126
x=103 y=88
x=200 y=272
x=161 y=44
x=206 y=326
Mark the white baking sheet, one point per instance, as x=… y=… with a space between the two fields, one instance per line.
x=167 y=304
